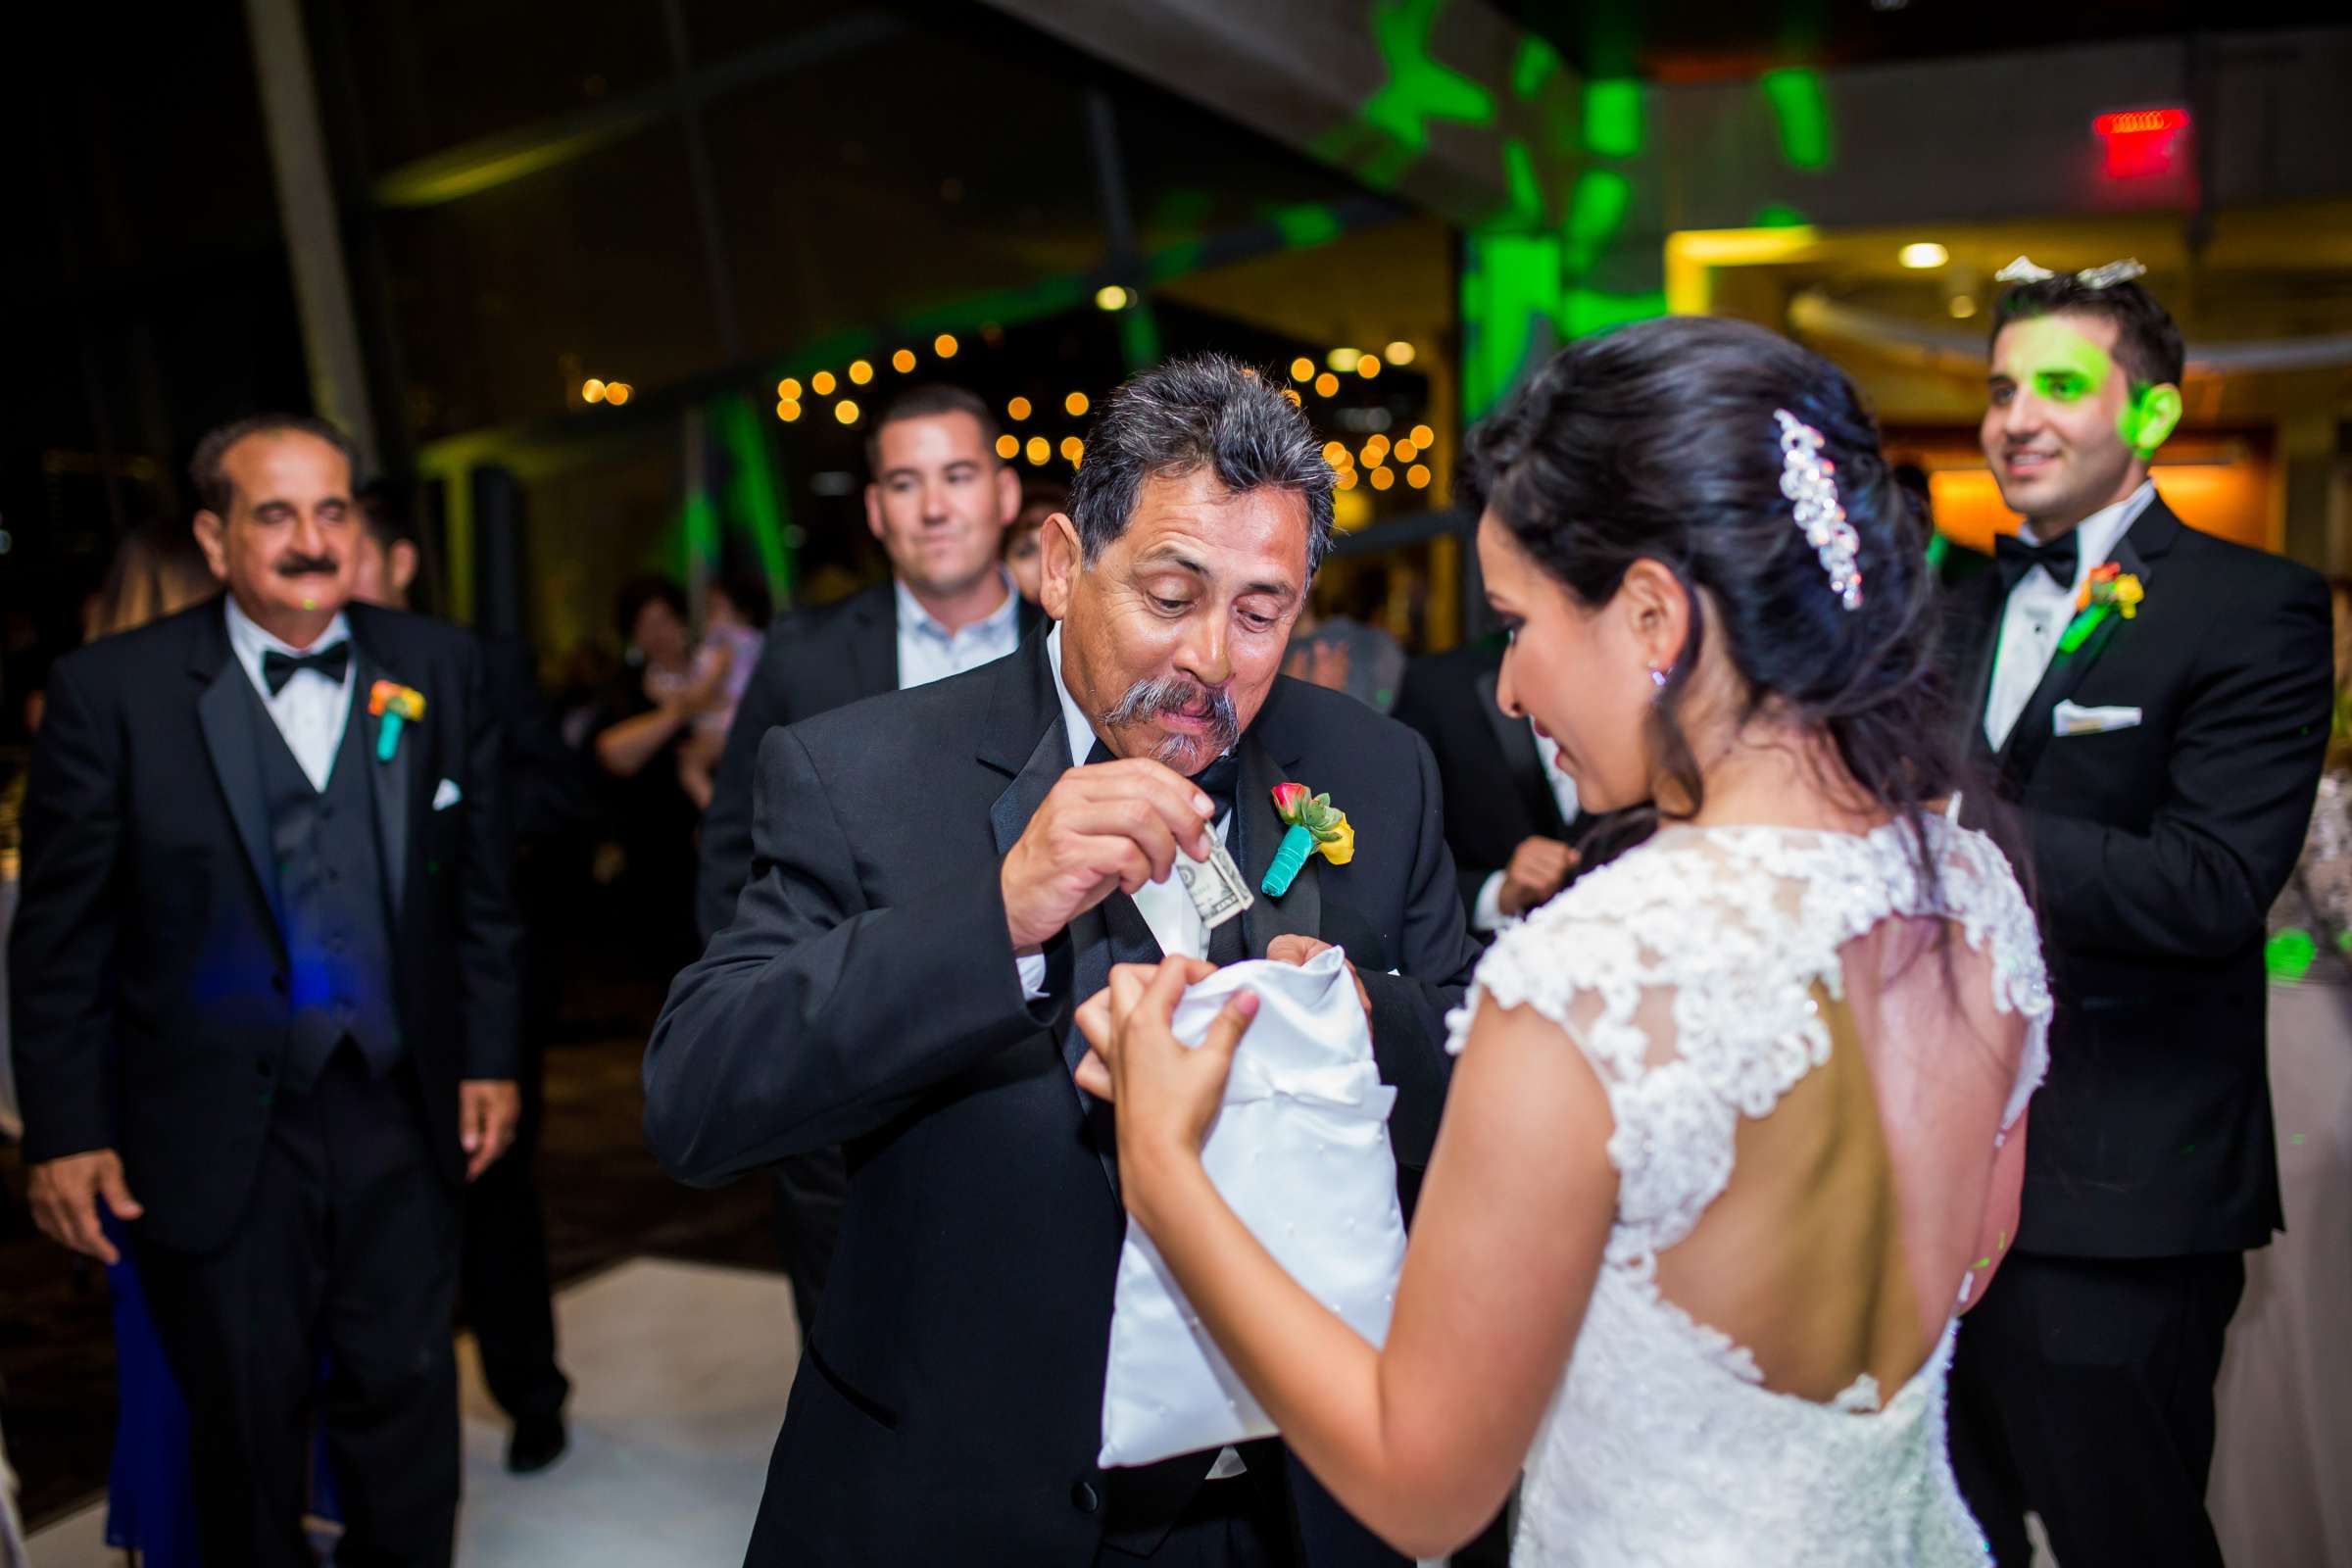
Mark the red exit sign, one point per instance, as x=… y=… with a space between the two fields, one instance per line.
x=2141 y=142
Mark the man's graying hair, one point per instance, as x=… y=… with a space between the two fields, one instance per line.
x=1180 y=417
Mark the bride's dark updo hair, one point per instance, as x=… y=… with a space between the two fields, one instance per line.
x=1657 y=441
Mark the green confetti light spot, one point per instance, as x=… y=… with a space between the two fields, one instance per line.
x=1419 y=90
x=2295 y=1139
x=1527 y=194
x=1306 y=225
x=1536 y=61
x=1613 y=118
x=2287 y=956
x=1804 y=111
x=1779 y=214
x=1595 y=209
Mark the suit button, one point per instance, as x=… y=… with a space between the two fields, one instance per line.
x=1082 y=1497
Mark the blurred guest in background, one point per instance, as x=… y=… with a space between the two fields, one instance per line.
x=504 y=1274
x=2156 y=702
x=1952 y=563
x=157 y=570
x=275 y=1026
x=734 y=620
x=644 y=723
x=1511 y=816
x=939 y=501
x=2281 y=1428
x=1023 y=555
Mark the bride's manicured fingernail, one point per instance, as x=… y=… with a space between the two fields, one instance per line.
x=1245 y=1002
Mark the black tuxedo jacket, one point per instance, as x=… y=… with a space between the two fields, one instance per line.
x=1496 y=794
x=950 y=1396
x=2156 y=851
x=150 y=1006
x=813 y=662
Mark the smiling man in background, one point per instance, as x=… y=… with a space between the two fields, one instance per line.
x=2156 y=701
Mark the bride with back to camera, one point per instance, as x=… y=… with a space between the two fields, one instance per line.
x=1738 y=1125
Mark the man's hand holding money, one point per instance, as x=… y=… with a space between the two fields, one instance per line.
x=1114 y=826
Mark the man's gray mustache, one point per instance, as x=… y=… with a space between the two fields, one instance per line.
x=1171 y=694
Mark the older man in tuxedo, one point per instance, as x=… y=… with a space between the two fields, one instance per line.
x=940 y=876
x=265 y=1009
x=2156 y=703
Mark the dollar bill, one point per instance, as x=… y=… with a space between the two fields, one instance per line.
x=1215 y=884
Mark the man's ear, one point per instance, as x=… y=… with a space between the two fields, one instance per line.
x=400 y=564
x=1061 y=562
x=873 y=510
x=211 y=537
x=2150 y=419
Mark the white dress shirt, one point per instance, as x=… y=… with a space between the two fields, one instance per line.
x=311 y=710
x=928 y=651
x=1489 y=915
x=1165 y=904
x=2039 y=611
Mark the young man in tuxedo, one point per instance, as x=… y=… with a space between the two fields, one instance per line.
x=2155 y=702
x=1511 y=815
x=935 y=887
x=939 y=502
x=266 y=1006
x=503 y=1277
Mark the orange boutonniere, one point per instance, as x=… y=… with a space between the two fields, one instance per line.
x=392 y=705
x=2109 y=590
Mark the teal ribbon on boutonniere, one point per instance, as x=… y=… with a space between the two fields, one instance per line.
x=392 y=705
x=1315 y=827
x=2108 y=591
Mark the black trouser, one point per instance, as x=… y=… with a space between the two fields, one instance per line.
x=347 y=1254
x=505 y=1271
x=2083 y=1389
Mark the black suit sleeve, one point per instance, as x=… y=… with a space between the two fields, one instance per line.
x=62 y=949
x=814 y=1016
x=1423 y=704
x=2245 y=763
x=489 y=932
x=1408 y=1009
x=727 y=853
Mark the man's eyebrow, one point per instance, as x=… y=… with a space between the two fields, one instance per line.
x=1169 y=556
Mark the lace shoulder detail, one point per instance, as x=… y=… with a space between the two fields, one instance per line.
x=1688 y=973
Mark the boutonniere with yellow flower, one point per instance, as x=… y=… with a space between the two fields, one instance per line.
x=1315 y=827
x=2109 y=590
x=392 y=705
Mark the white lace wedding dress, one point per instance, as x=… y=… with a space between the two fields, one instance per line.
x=1701 y=975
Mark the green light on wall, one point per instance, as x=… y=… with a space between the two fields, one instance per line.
x=1419 y=90
x=1585 y=311
x=1779 y=214
x=754 y=498
x=1534 y=67
x=1510 y=302
x=1803 y=113
x=1596 y=208
x=1305 y=223
x=1613 y=118
x=1527 y=193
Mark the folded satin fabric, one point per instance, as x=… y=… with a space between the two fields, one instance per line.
x=1300 y=1150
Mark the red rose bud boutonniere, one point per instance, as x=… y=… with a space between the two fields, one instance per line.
x=393 y=705
x=2109 y=590
x=1314 y=827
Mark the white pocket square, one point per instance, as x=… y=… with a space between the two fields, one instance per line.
x=448 y=795
x=2070 y=719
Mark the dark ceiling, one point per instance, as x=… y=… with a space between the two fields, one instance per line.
x=1696 y=40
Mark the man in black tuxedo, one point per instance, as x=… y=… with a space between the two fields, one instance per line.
x=266 y=956
x=934 y=889
x=2164 y=764
x=939 y=502
x=503 y=1277
x=1511 y=816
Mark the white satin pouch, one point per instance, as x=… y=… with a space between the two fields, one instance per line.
x=1300 y=1150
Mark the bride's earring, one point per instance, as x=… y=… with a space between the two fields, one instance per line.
x=1659 y=679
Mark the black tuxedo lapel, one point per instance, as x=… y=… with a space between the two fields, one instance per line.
x=2148 y=538
x=1522 y=762
x=1980 y=631
x=225 y=713
x=874 y=641
x=1298 y=911
x=393 y=785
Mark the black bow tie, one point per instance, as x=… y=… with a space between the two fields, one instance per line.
x=2015 y=560
x=1216 y=780
x=279 y=668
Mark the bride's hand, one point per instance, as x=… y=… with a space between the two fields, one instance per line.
x=1166 y=1091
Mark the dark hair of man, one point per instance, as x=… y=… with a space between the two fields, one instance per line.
x=2147 y=345
x=750 y=596
x=928 y=400
x=1658 y=442
x=213 y=492
x=639 y=592
x=1202 y=412
x=383 y=516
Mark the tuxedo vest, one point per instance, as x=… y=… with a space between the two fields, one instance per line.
x=333 y=901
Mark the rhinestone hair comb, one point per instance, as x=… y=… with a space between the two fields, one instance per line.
x=1806 y=479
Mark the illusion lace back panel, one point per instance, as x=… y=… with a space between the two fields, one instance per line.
x=1809 y=1092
